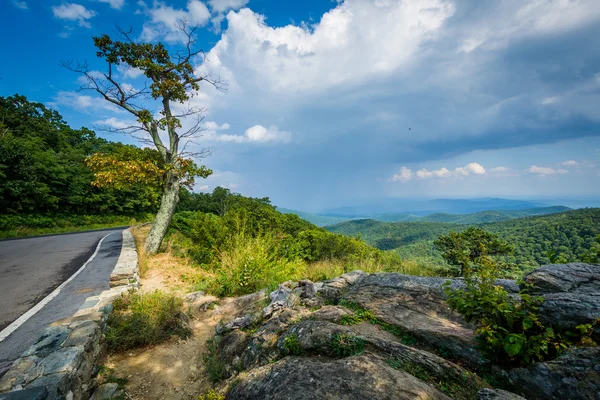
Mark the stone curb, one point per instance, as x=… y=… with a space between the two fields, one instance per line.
x=62 y=364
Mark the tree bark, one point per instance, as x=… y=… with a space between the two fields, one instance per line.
x=168 y=204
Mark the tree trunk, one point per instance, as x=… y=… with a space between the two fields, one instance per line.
x=168 y=204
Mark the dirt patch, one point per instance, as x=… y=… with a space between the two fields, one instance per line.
x=172 y=370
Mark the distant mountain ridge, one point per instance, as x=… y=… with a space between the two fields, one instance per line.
x=480 y=217
x=568 y=234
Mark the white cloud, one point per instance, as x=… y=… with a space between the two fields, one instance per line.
x=257 y=134
x=203 y=187
x=549 y=100
x=20 y=4
x=534 y=169
x=438 y=173
x=115 y=123
x=472 y=168
x=499 y=169
x=116 y=4
x=220 y=6
x=74 y=12
x=165 y=20
x=80 y=102
x=352 y=42
x=404 y=175
x=129 y=72
x=570 y=163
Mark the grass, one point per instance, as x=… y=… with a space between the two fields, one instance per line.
x=361 y=314
x=460 y=387
x=343 y=345
x=13 y=226
x=215 y=368
x=141 y=319
x=292 y=345
x=174 y=272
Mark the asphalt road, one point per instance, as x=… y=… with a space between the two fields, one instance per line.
x=32 y=268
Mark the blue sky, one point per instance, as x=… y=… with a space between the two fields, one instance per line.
x=338 y=102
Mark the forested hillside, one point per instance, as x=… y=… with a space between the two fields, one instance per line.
x=566 y=236
x=43 y=172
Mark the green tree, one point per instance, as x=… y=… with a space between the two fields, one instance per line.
x=170 y=79
x=471 y=248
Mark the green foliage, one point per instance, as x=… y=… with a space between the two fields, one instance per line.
x=459 y=386
x=292 y=345
x=215 y=368
x=248 y=245
x=570 y=235
x=471 y=248
x=43 y=171
x=144 y=319
x=509 y=329
x=211 y=395
x=343 y=345
x=27 y=225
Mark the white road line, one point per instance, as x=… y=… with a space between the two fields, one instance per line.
x=21 y=320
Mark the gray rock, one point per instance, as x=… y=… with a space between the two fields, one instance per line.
x=281 y=298
x=66 y=360
x=57 y=385
x=191 y=297
x=106 y=391
x=237 y=323
x=21 y=372
x=573 y=277
x=308 y=289
x=353 y=378
x=85 y=334
x=39 y=393
x=573 y=375
x=497 y=394
x=50 y=340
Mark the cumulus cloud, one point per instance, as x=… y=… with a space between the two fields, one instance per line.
x=116 y=4
x=258 y=134
x=74 y=12
x=20 y=4
x=80 y=102
x=534 y=169
x=165 y=20
x=115 y=123
x=226 y=5
x=570 y=163
x=404 y=175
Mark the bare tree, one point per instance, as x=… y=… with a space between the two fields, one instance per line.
x=170 y=78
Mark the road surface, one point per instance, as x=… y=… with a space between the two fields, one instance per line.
x=32 y=268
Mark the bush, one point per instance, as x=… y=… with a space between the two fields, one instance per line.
x=248 y=264
x=509 y=329
x=343 y=345
x=144 y=319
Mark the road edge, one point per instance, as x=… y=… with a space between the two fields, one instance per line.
x=63 y=361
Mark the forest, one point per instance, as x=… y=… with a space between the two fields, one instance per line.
x=561 y=237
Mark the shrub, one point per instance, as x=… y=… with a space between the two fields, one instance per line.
x=292 y=345
x=509 y=328
x=343 y=345
x=144 y=319
x=215 y=368
x=248 y=264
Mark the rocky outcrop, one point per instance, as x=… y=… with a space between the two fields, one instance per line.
x=363 y=336
x=571 y=294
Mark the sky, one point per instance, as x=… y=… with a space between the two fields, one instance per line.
x=332 y=103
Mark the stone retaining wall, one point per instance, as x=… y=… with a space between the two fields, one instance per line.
x=62 y=364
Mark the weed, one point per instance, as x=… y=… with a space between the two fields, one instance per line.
x=343 y=345
x=292 y=345
x=144 y=319
x=458 y=386
x=211 y=395
x=215 y=368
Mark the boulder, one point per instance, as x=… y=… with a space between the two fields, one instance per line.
x=497 y=394
x=571 y=294
x=573 y=375
x=353 y=378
